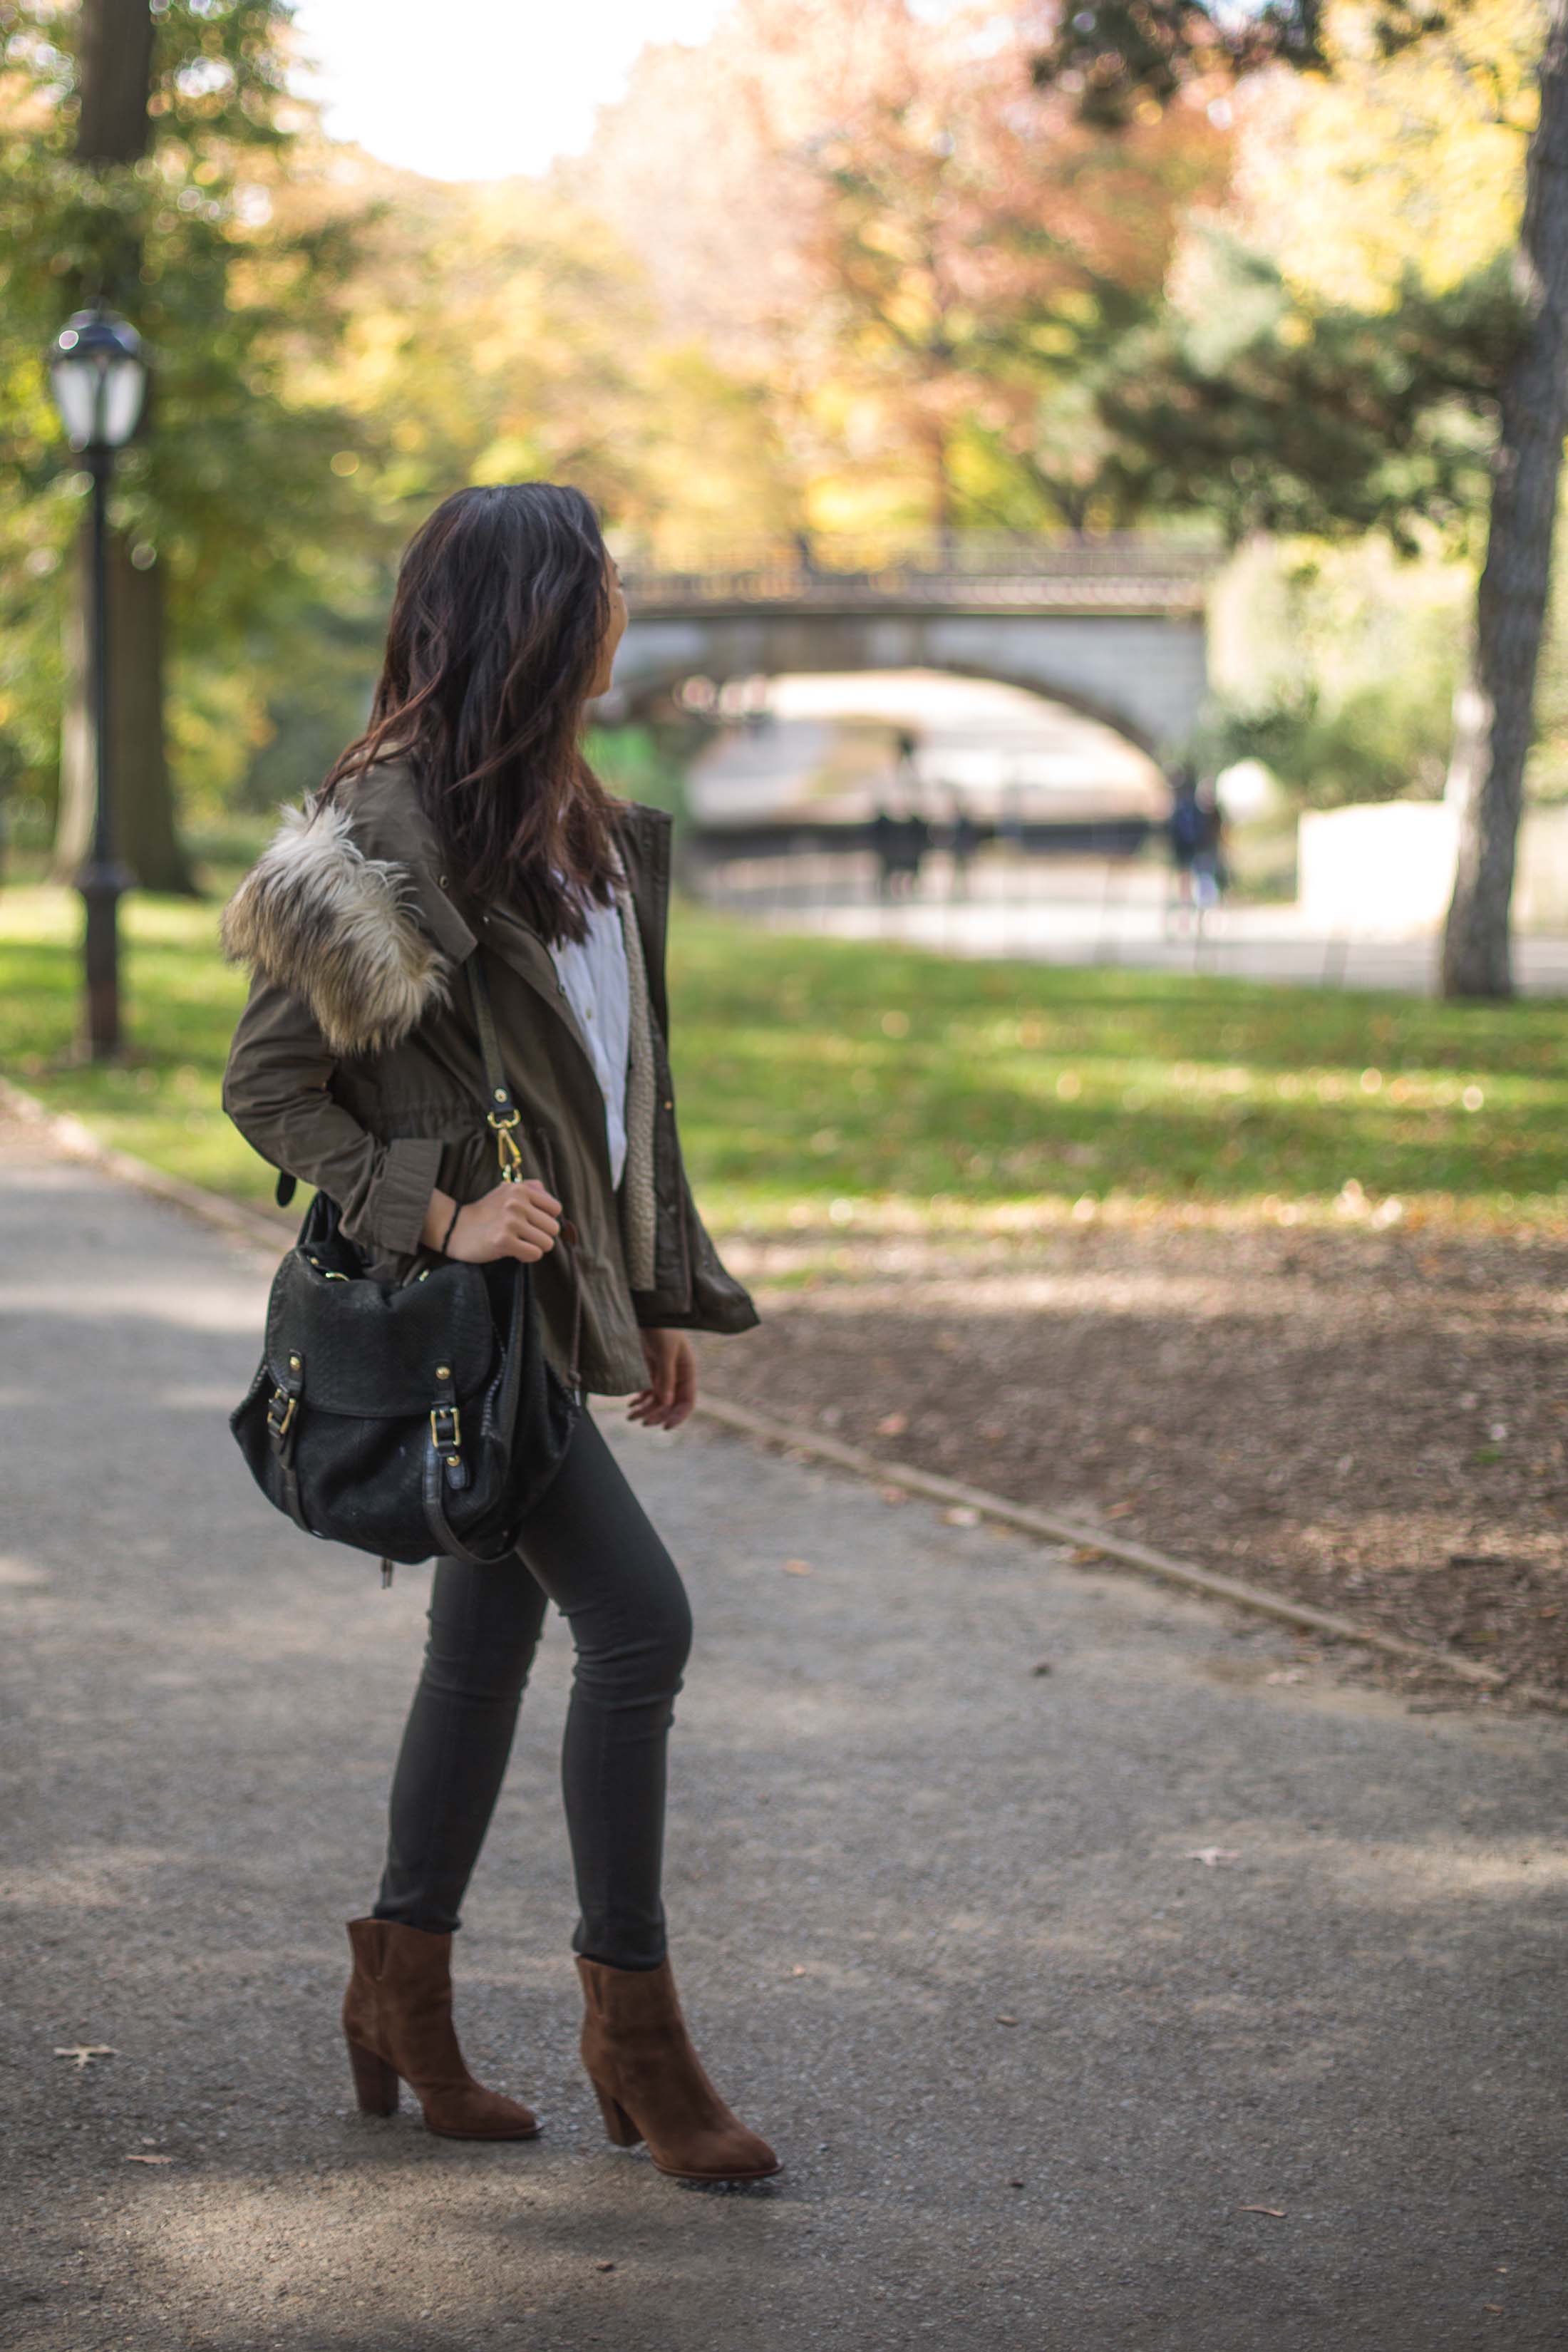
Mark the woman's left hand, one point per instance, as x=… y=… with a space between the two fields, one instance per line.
x=671 y=1390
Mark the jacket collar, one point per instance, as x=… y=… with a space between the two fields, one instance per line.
x=369 y=943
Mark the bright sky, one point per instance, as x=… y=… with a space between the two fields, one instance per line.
x=476 y=89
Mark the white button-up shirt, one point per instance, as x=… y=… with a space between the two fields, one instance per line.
x=592 y=975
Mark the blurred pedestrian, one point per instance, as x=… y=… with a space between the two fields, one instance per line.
x=914 y=839
x=963 y=839
x=1210 y=875
x=1185 y=828
x=885 y=844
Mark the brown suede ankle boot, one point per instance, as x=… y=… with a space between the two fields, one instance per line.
x=398 y=2018
x=650 y=2081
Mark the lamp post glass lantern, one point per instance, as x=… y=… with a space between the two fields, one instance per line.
x=99 y=378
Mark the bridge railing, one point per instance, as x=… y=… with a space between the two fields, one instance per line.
x=978 y=569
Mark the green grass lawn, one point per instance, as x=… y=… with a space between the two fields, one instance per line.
x=867 y=1085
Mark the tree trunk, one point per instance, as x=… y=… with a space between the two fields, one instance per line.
x=143 y=812
x=114 y=66
x=115 y=55
x=1494 y=715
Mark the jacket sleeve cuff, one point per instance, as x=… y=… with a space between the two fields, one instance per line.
x=402 y=1192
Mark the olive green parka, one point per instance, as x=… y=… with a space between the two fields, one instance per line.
x=356 y=1067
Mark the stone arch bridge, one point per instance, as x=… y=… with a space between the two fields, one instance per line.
x=1113 y=628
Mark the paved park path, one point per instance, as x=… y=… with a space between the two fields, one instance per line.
x=1042 y=2078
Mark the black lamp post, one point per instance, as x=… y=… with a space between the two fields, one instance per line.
x=100 y=381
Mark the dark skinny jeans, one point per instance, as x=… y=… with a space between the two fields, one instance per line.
x=587 y=1545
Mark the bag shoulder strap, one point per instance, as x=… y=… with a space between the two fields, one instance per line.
x=501 y=1113
x=496 y=1086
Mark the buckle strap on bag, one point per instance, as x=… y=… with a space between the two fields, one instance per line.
x=504 y=1119
x=445 y=1469
x=282 y=1431
x=449 y=1545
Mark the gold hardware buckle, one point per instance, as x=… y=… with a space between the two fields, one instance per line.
x=281 y=1423
x=443 y=1437
x=507 y=1152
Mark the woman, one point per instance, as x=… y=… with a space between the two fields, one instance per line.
x=466 y=821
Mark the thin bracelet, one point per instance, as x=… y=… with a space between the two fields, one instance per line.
x=457 y=1213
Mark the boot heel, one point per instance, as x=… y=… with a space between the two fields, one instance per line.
x=623 y=2132
x=375 y=2082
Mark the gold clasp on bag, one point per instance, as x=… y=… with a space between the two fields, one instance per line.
x=501 y=1123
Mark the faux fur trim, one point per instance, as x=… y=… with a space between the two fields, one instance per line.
x=317 y=917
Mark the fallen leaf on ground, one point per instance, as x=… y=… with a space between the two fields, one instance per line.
x=1041 y=1667
x=149 y=2160
x=961 y=1515
x=603 y=2266
x=892 y=1425
x=84 y=2052
x=1276 y=2212
x=1287 y=1674
x=797 y=1567
x=1082 y=1554
x=1003 y=2018
x=1120 y=1510
x=1211 y=1855
x=797 y=1970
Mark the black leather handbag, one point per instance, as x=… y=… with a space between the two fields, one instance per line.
x=414 y=1420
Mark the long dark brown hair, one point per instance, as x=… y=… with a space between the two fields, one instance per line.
x=501 y=608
